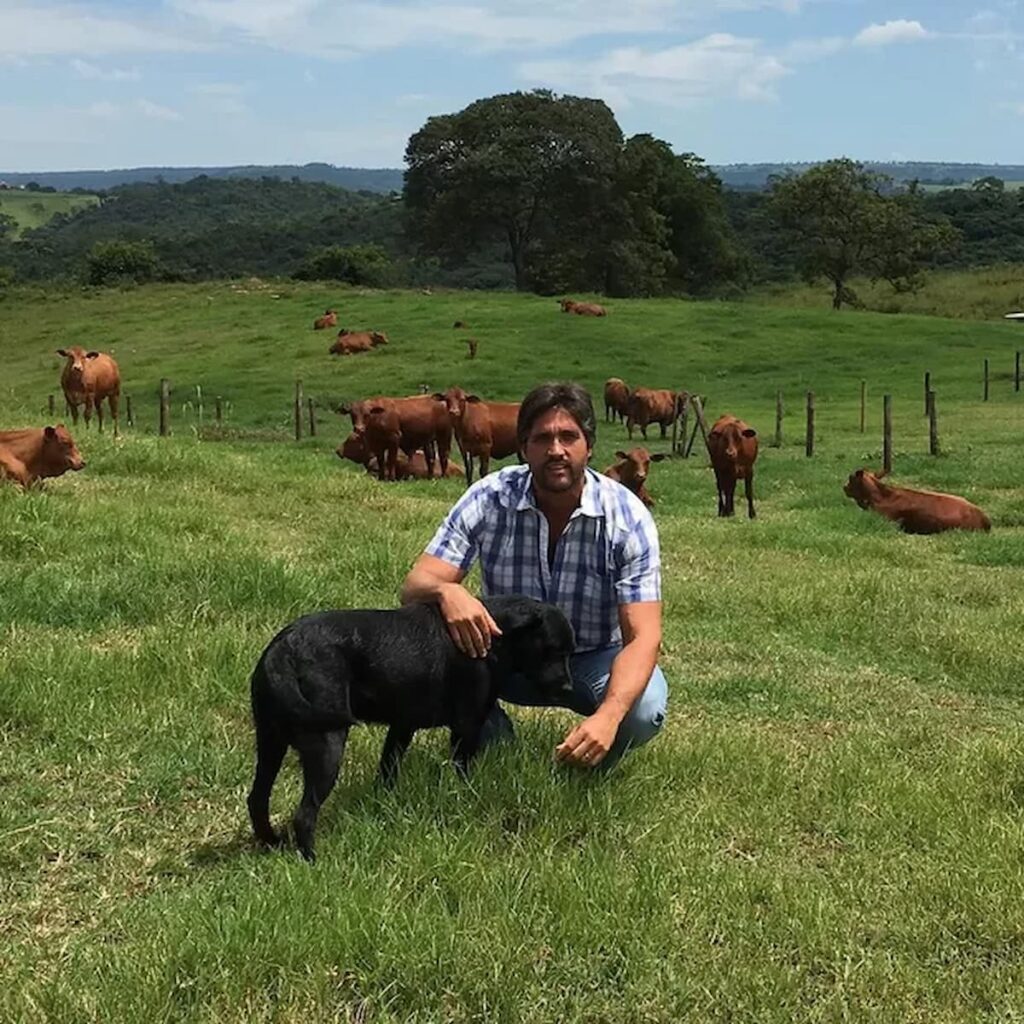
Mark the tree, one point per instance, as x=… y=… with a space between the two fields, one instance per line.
x=512 y=167
x=832 y=210
x=904 y=241
x=356 y=264
x=8 y=225
x=117 y=261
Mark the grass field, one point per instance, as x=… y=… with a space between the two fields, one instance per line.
x=985 y=293
x=829 y=828
x=33 y=209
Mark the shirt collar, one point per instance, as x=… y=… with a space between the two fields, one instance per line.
x=590 y=499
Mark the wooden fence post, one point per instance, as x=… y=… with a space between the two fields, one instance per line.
x=886 y=433
x=298 y=410
x=778 y=419
x=165 y=407
x=128 y=410
x=684 y=416
x=985 y=396
x=863 y=403
x=1016 y=372
x=51 y=406
x=698 y=411
x=927 y=389
x=809 y=443
x=933 y=426
x=218 y=410
x=312 y=418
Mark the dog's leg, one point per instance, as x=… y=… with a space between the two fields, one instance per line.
x=320 y=757
x=395 y=745
x=270 y=751
x=464 y=745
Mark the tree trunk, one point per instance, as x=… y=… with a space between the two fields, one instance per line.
x=517 y=248
x=837 y=294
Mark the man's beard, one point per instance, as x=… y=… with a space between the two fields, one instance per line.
x=557 y=482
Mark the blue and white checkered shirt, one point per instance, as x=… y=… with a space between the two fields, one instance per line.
x=607 y=556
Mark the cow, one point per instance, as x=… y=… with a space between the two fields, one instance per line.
x=732 y=445
x=88 y=378
x=355 y=450
x=350 y=342
x=914 y=511
x=36 y=453
x=633 y=469
x=582 y=308
x=472 y=344
x=616 y=399
x=483 y=430
x=423 y=424
x=329 y=319
x=647 y=406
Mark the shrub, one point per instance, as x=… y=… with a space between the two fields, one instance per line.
x=118 y=262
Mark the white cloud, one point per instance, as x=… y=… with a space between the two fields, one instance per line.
x=40 y=31
x=717 y=65
x=108 y=111
x=899 y=31
x=804 y=50
x=156 y=111
x=93 y=73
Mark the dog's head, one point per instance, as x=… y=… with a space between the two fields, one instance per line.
x=536 y=640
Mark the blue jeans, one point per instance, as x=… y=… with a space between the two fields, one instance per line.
x=590 y=672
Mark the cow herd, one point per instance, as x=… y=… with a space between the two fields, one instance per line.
x=400 y=438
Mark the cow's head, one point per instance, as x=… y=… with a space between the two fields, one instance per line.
x=77 y=358
x=59 y=453
x=635 y=466
x=863 y=486
x=455 y=399
x=730 y=436
x=566 y=304
x=354 y=449
x=378 y=338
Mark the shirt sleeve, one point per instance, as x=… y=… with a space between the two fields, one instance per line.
x=455 y=541
x=639 y=568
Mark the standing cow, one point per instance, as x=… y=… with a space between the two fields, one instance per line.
x=422 y=420
x=732 y=445
x=616 y=399
x=649 y=405
x=483 y=430
x=88 y=378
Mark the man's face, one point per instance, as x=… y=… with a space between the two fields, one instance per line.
x=556 y=452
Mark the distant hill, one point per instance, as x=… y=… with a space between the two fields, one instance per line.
x=389 y=179
x=355 y=179
x=33 y=209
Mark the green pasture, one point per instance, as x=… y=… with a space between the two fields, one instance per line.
x=33 y=209
x=830 y=827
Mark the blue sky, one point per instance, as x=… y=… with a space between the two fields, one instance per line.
x=212 y=82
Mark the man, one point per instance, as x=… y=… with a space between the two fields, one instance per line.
x=555 y=530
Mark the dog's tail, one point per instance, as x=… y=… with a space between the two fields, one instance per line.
x=290 y=693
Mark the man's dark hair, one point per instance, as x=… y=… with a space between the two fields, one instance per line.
x=567 y=395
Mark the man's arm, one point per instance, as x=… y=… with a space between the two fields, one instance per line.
x=591 y=740
x=432 y=580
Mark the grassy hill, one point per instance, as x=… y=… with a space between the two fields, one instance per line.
x=33 y=209
x=828 y=828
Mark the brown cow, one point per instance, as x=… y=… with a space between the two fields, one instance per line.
x=329 y=319
x=423 y=421
x=483 y=430
x=616 y=399
x=914 y=511
x=472 y=343
x=350 y=342
x=633 y=469
x=582 y=308
x=88 y=378
x=732 y=445
x=646 y=406
x=30 y=455
x=354 y=449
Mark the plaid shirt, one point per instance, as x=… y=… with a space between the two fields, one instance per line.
x=607 y=556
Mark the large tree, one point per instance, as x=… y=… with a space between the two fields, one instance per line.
x=846 y=220
x=513 y=168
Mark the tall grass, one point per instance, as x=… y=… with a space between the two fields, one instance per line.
x=829 y=827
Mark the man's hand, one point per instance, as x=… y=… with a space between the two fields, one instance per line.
x=469 y=623
x=590 y=741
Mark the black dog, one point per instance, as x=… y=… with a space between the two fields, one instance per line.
x=325 y=672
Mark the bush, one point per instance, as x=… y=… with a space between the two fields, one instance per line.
x=356 y=264
x=119 y=262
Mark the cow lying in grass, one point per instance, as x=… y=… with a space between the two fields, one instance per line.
x=633 y=469
x=914 y=511
x=326 y=672
x=38 y=452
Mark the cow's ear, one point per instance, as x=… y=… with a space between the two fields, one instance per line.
x=62 y=352
x=475 y=399
x=859 y=474
x=750 y=432
x=659 y=457
x=715 y=433
x=49 y=433
x=91 y=355
x=438 y=397
x=621 y=455
x=343 y=409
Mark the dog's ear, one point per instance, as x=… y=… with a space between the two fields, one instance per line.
x=522 y=616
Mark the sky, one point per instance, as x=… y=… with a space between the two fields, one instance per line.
x=130 y=83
